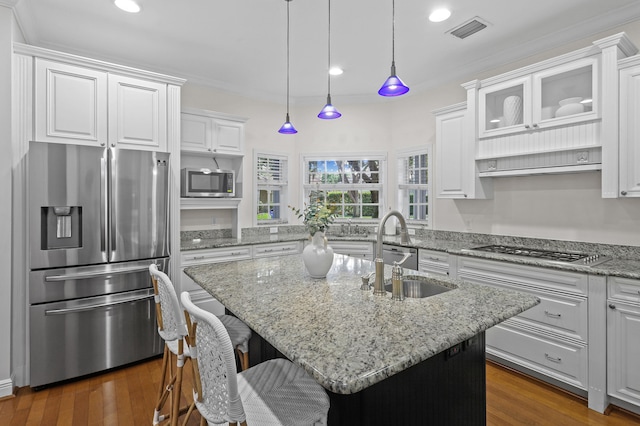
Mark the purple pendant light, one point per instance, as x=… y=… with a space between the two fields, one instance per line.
x=287 y=128
x=393 y=86
x=329 y=112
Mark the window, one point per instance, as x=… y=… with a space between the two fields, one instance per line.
x=271 y=187
x=413 y=183
x=351 y=185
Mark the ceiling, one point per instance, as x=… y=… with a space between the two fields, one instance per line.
x=240 y=45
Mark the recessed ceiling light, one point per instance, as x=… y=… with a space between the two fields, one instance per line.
x=128 y=5
x=439 y=15
x=335 y=71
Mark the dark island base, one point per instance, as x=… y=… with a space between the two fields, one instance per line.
x=446 y=389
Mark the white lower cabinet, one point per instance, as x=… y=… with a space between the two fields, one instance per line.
x=277 y=249
x=550 y=338
x=560 y=359
x=362 y=249
x=433 y=262
x=623 y=339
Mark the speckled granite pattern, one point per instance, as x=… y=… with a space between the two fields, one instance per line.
x=207 y=243
x=625 y=263
x=346 y=338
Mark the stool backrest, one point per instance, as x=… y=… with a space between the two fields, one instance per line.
x=214 y=363
x=170 y=318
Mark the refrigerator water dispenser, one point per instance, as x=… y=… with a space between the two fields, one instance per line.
x=61 y=227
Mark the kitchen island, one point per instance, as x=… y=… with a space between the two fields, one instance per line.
x=382 y=361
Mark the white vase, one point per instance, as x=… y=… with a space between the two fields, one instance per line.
x=512 y=110
x=318 y=256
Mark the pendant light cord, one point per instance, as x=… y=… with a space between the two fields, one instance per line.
x=329 y=53
x=393 y=32
x=288 y=1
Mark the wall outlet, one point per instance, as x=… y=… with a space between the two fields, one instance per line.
x=412 y=231
x=273 y=230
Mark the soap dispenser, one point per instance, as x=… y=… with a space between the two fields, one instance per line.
x=397 y=288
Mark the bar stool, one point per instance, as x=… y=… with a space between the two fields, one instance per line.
x=172 y=329
x=274 y=392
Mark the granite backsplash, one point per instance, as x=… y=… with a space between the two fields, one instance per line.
x=472 y=239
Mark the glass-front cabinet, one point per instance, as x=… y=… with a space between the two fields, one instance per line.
x=560 y=95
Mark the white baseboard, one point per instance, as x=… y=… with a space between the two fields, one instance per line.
x=6 y=387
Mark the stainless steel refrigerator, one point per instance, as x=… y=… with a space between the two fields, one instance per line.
x=97 y=218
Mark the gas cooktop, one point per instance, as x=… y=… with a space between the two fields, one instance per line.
x=547 y=255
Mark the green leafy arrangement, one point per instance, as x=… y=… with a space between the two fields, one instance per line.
x=316 y=216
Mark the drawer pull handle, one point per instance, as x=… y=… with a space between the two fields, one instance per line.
x=268 y=250
x=612 y=306
x=286 y=249
x=233 y=253
x=552 y=358
x=198 y=257
x=552 y=315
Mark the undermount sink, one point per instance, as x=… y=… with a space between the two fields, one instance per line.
x=417 y=286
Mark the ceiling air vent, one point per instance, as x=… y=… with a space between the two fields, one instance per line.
x=468 y=28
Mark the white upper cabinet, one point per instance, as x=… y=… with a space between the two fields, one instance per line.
x=629 y=166
x=196 y=133
x=137 y=113
x=555 y=116
x=560 y=95
x=456 y=174
x=208 y=132
x=84 y=101
x=70 y=103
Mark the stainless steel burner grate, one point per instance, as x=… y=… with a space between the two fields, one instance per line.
x=549 y=255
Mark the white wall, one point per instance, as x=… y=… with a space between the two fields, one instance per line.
x=565 y=207
x=6 y=49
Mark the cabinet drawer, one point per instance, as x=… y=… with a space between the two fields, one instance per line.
x=522 y=276
x=624 y=289
x=352 y=248
x=557 y=313
x=436 y=257
x=198 y=257
x=434 y=268
x=564 y=315
x=433 y=262
x=560 y=360
x=265 y=250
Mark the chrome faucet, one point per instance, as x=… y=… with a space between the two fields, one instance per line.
x=378 y=284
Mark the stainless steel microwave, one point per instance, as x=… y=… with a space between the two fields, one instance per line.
x=207 y=183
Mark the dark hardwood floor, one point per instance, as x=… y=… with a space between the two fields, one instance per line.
x=126 y=397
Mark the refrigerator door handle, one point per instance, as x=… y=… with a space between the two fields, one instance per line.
x=103 y=205
x=87 y=275
x=65 y=311
x=112 y=202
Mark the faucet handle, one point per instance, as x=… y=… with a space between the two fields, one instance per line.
x=406 y=256
x=365 y=281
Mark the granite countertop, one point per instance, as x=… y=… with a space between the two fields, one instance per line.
x=346 y=338
x=624 y=262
